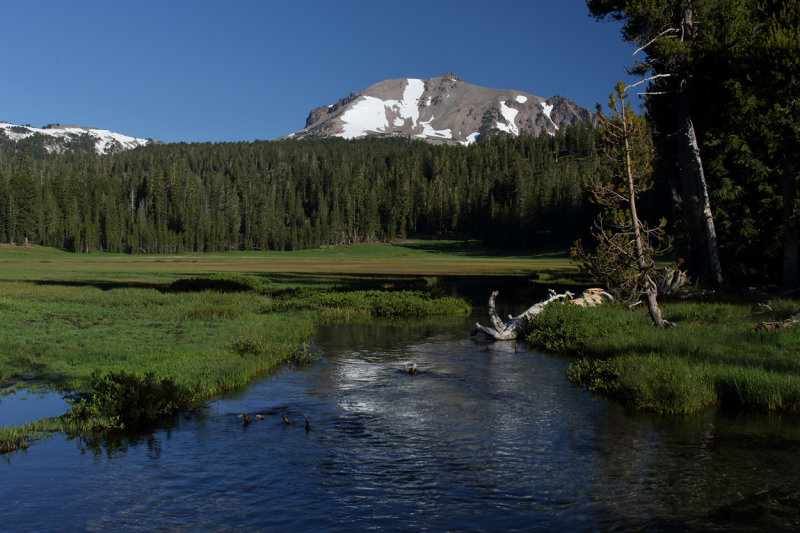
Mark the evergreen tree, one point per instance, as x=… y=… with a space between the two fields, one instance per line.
x=25 y=201
x=626 y=246
x=668 y=32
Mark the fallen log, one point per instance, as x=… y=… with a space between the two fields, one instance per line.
x=790 y=322
x=517 y=326
x=671 y=281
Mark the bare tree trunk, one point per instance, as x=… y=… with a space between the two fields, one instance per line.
x=516 y=326
x=697 y=206
x=650 y=287
x=696 y=203
x=791 y=232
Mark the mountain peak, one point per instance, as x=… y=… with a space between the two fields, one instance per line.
x=443 y=109
x=451 y=75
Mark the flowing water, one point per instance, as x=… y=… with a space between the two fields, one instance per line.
x=487 y=437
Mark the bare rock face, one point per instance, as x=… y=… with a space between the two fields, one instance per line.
x=444 y=109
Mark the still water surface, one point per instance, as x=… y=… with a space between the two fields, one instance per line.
x=489 y=437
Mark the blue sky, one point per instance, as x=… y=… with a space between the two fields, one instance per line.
x=244 y=70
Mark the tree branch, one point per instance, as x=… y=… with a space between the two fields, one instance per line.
x=654 y=39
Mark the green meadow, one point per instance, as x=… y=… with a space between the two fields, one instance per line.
x=139 y=337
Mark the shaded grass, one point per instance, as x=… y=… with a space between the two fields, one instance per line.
x=715 y=357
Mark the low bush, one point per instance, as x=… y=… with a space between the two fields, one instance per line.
x=124 y=400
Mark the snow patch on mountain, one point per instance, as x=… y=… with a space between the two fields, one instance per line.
x=367 y=114
x=408 y=107
x=105 y=140
x=547 y=109
x=370 y=114
x=521 y=98
x=509 y=113
x=429 y=131
x=471 y=138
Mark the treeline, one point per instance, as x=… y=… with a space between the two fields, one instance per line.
x=511 y=192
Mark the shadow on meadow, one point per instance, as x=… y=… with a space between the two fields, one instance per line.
x=98 y=284
x=474 y=248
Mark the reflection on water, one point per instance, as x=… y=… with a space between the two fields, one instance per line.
x=25 y=406
x=488 y=437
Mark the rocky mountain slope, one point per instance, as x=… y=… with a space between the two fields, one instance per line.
x=61 y=138
x=444 y=109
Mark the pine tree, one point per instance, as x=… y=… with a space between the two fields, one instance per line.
x=624 y=257
x=25 y=200
x=668 y=33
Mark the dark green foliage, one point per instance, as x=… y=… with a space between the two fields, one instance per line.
x=123 y=400
x=734 y=66
x=512 y=191
x=597 y=375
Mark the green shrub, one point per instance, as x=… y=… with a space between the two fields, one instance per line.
x=597 y=375
x=253 y=344
x=663 y=384
x=123 y=400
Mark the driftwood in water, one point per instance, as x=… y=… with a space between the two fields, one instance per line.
x=517 y=326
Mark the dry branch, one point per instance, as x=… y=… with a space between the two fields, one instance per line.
x=517 y=326
x=790 y=322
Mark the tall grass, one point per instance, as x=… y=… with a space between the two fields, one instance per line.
x=715 y=357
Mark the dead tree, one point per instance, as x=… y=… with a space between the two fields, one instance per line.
x=517 y=326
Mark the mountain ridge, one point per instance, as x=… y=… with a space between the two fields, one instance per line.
x=60 y=138
x=443 y=109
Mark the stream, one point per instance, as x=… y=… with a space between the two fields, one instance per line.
x=487 y=437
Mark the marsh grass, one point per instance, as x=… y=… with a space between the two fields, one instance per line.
x=333 y=305
x=14 y=438
x=715 y=357
x=140 y=340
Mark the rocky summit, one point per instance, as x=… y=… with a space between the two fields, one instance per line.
x=444 y=109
